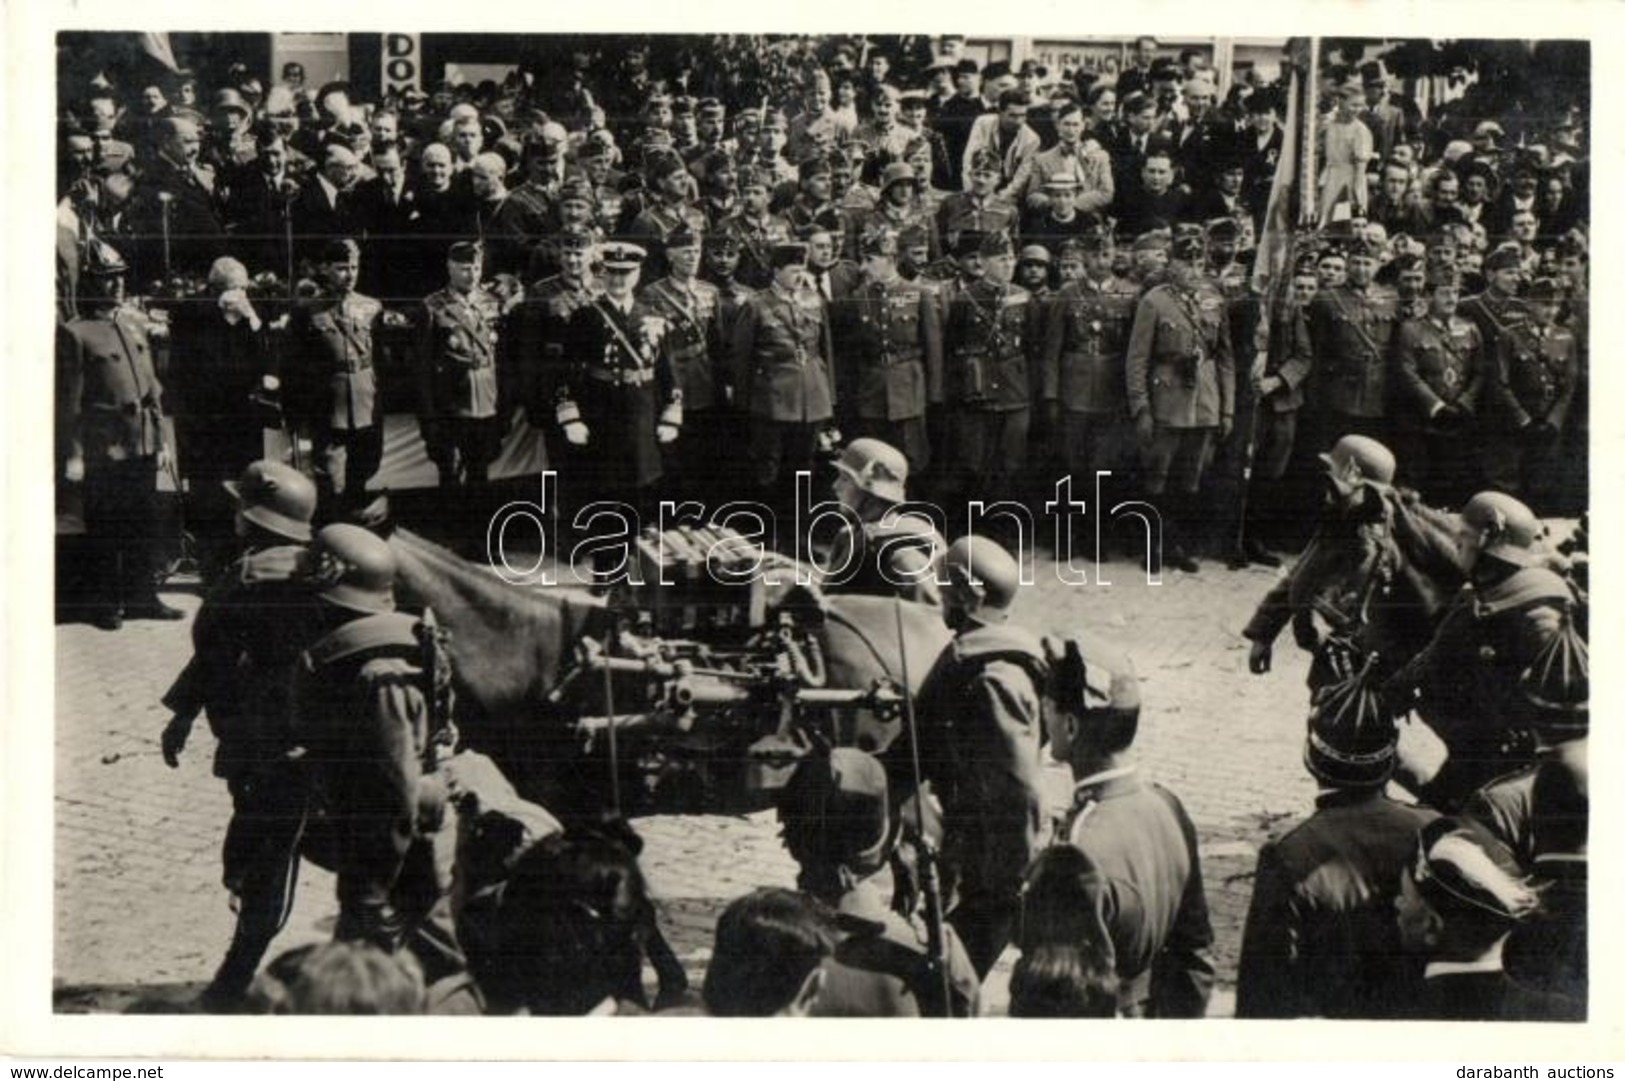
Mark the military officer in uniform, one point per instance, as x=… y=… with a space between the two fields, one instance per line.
x=1349 y=329
x=618 y=401
x=888 y=349
x=1135 y=833
x=669 y=212
x=457 y=358
x=979 y=734
x=1320 y=938
x=1439 y=376
x=981 y=208
x=109 y=404
x=540 y=323
x=1465 y=682
x=756 y=229
x=721 y=270
x=692 y=310
x=1498 y=308
x=994 y=332
x=1085 y=347
x=254 y=623
x=883 y=551
x=784 y=374
x=331 y=380
x=1181 y=391
x=1531 y=388
x=574 y=203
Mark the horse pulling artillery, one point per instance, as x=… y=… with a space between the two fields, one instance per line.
x=672 y=698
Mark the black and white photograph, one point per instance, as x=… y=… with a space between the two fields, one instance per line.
x=816 y=525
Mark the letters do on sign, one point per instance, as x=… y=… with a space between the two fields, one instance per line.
x=403 y=63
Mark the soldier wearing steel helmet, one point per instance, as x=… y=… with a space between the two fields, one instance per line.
x=1465 y=682
x=979 y=733
x=368 y=714
x=883 y=551
x=249 y=632
x=1359 y=471
x=1320 y=939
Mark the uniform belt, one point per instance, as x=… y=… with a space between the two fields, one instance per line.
x=621 y=377
x=128 y=409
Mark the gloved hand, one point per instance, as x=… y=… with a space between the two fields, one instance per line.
x=174 y=739
x=1145 y=428
x=1226 y=426
x=1447 y=418
x=74 y=472
x=665 y=433
x=1258 y=658
x=576 y=433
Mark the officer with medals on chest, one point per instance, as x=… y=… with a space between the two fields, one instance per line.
x=1532 y=386
x=782 y=368
x=1181 y=392
x=993 y=333
x=332 y=383
x=1085 y=345
x=1439 y=375
x=110 y=424
x=618 y=401
x=888 y=347
x=540 y=324
x=1349 y=328
x=457 y=357
x=692 y=310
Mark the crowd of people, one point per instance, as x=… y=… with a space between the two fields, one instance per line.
x=1010 y=274
x=978 y=277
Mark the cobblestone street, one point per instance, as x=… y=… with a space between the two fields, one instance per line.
x=140 y=913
